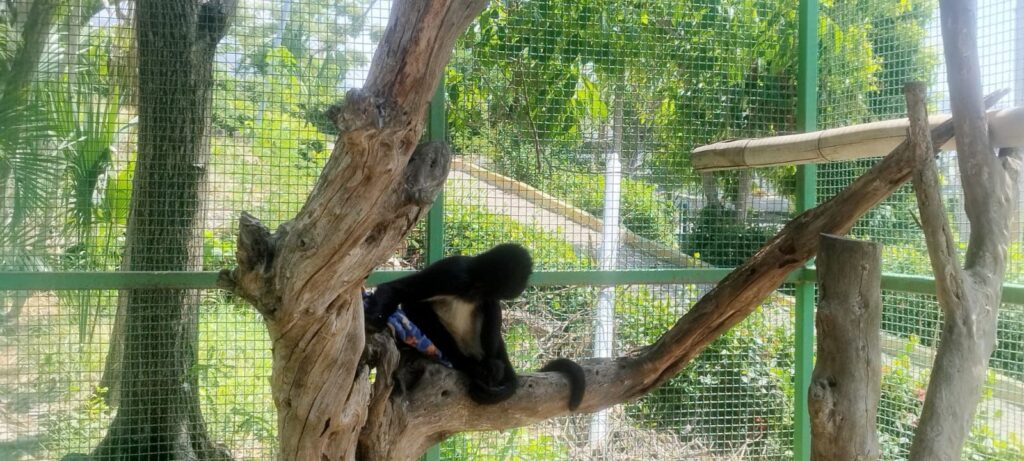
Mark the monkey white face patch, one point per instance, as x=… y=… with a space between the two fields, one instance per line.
x=463 y=321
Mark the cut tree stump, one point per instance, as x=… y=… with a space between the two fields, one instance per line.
x=846 y=382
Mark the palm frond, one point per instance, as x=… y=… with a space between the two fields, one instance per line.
x=91 y=120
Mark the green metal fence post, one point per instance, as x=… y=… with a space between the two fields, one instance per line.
x=807 y=111
x=435 y=217
x=436 y=124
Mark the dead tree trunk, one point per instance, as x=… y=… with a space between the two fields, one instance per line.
x=847 y=380
x=305 y=278
x=969 y=297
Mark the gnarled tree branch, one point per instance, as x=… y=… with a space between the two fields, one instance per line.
x=305 y=278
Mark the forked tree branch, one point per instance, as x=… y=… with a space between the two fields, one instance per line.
x=990 y=188
x=355 y=215
x=305 y=278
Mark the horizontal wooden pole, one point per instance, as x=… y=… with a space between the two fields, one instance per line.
x=838 y=144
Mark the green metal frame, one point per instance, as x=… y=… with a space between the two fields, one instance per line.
x=436 y=124
x=40 y=281
x=807 y=188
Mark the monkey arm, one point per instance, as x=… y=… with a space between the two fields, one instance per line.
x=490 y=329
x=447 y=277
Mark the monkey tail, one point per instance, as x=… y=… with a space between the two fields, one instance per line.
x=577 y=379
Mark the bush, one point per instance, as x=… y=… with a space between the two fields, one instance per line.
x=917 y=315
x=903 y=395
x=718 y=239
x=518 y=444
x=469 y=229
x=641 y=210
x=738 y=391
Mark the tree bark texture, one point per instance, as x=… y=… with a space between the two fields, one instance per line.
x=970 y=297
x=127 y=73
x=26 y=59
x=159 y=415
x=847 y=380
x=305 y=278
x=17 y=80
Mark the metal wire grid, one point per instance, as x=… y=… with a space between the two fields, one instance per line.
x=911 y=323
x=267 y=151
x=280 y=67
x=913 y=50
x=532 y=96
x=53 y=395
x=910 y=330
x=735 y=398
x=732 y=402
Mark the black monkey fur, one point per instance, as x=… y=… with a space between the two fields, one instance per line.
x=456 y=302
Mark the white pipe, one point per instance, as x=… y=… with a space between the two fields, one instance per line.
x=604 y=324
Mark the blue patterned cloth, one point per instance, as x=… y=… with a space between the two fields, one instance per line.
x=407 y=333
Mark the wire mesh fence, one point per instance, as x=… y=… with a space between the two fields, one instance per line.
x=567 y=118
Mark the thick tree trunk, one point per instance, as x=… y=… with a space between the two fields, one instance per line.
x=969 y=297
x=26 y=59
x=159 y=416
x=127 y=73
x=847 y=380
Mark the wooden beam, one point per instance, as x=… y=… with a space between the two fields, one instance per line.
x=838 y=144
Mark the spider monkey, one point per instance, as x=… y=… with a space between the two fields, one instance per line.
x=456 y=303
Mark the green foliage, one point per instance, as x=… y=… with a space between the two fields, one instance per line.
x=903 y=390
x=30 y=149
x=741 y=382
x=986 y=443
x=919 y=316
x=904 y=386
x=232 y=370
x=641 y=210
x=1009 y=353
x=719 y=239
x=218 y=250
x=469 y=229
x=514 y=444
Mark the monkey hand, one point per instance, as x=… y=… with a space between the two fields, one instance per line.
x=377 y=307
